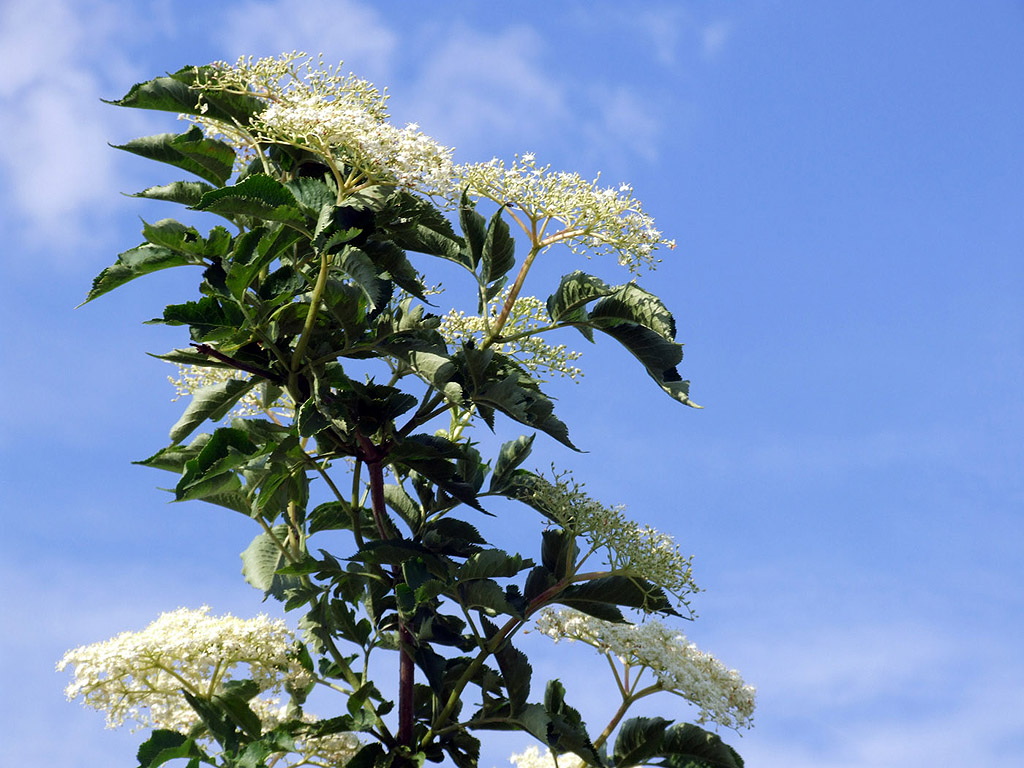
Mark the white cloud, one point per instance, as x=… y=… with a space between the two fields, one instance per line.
x=340 y=29
x=478 y=89
x=626 y=122
x=58 y=59
x=714 y=36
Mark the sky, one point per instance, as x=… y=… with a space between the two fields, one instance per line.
x=844 y=183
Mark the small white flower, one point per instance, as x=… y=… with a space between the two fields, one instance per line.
x=678 y=665
x=592 y=220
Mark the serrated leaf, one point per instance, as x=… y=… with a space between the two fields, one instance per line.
x=187 y=240
x=497 y=255
x=185 y=192
x=357 y=265
x=404 y=506
x=688 y=746
x=512 y=454
x=256 y=195
x=164 y=745
x=416 y=225
x=516 y=673
x=134 y=263
x=491 y=563
x=208 y=159
x=474 y=229
x=210 y=403
x=639 y=739
x=597 y=596
x=172 y=93
x=488 y=596
x=260 y=562
x=574 y=292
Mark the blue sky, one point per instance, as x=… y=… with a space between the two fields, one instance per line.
x=844 y=182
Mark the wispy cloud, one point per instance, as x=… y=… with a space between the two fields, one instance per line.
x=478 y=90
x=340 y=29
x=59 y=60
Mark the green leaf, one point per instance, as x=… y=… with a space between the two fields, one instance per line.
x=492 y=563
x=488 y=596
x=474 y=228
x=185 y=192
x=639 y=739
x=516 y=672
x=260 y=562
x=575 y=291
x=599 y=596
x=173 y=94
x=404 y=506
x=416 y=225
x=688 y=746
x=511 y=455
x=210 y=403
x=187 y=240
x=135 y=263
x=256 y=195
x=209 y=159
x=357 y=265
x=164 y=745
x=233 y=700
x=498 y=253
x=211 y=473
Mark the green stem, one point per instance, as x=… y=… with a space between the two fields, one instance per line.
x=513 y=294
x=307 y=328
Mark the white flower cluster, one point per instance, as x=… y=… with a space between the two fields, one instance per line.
x=594 y=220
x=343 y=118
x=527 y=316
x=678 y=665
x=139 y=676
x=631 y=548
x=534 y=758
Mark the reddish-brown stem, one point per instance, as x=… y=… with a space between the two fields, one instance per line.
x=373 y=457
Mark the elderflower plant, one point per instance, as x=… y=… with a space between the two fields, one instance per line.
x=630 y=548
x=519 y=337
x=678 y=666
x=562 y=207
x=341 y=118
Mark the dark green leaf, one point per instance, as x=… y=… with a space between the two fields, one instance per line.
x=357 y=265
x=688 y=746
x=135 y=263
x=512 y=454
x=516 y=672
x=498 y=252
x=208 y=159
x=575 y=291
x=491 y=563
x=164 y=745
x=211 y=402
x=639 y=739
x=474 y=228
x=185 y=192
x=260 y=562
x=257 y=195
x=597 y=596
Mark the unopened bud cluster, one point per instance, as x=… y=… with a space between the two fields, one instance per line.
x=630 y=548
x=527 y=319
